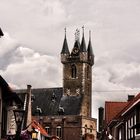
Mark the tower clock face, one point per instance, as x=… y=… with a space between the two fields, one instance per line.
x=75 y=51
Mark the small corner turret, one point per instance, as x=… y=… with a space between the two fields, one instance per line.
x=65 y=50
x=90 y=51
x=1 y=33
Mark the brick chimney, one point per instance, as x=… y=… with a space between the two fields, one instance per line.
x=130 y=97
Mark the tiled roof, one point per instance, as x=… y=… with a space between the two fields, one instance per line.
x=112 y=109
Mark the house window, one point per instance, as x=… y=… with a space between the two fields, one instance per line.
x=59 y=131
x=135 y=124
x=73 y=71
x=131 y=126
x=120 y=134
x=126 y=130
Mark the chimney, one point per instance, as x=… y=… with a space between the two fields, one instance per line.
x=130 y=97
x=100 y=118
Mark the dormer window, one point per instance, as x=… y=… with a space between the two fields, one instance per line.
x=73 y=71
x=53 y=98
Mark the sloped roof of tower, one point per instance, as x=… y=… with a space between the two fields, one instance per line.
x=65 y=49
x=76 y=48
x=83 y=44
x=89 y=49
x=1 y=33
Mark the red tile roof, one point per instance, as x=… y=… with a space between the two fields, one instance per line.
x=129 y=105
x=112 y=109
x=36 y=125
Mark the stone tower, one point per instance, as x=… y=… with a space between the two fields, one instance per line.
x=77 y=71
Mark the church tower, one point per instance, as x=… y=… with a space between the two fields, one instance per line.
x=77 y=71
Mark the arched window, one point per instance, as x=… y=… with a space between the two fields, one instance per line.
x=91 y=129
x=47 y=128
x=59 y=131
x=73 y=71
x=86 y=128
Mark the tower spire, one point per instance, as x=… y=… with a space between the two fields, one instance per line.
x=90 y=51
x=65 y=49
x=83 y=44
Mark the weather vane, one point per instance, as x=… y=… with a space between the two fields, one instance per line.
x=77 y=35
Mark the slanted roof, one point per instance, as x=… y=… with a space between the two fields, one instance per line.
x=130 y=105
x=71 y=104
x=112 y=109
x=51 y=99
x=8 y=93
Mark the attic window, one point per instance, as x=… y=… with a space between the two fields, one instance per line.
x=53 y=98
x=38 y=110
x=61 y=110
x=32 y=98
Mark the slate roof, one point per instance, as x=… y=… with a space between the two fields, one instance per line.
x=50 y=100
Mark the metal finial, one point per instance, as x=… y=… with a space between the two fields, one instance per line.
x=65 y=29
x=83 y=29
x=89 y=34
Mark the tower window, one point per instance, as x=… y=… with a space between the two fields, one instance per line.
x=74 y=71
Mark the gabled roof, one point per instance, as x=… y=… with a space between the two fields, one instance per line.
x=112 y=109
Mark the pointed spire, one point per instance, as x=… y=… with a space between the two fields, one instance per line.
x=65 y=49
x=83 y=44
x=1 y=33
x=90 y=51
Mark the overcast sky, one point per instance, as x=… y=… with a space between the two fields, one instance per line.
x=34 y=34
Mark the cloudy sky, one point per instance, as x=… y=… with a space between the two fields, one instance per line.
x=34 y=33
